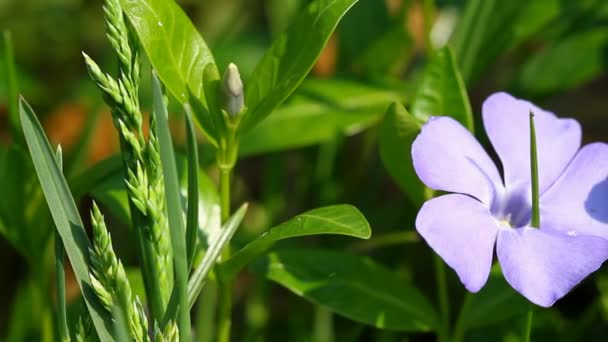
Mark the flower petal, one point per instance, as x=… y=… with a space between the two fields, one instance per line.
x=447 y=157
x=462 y=231
x=578 y=201
x=545 y=265
x=506 y=121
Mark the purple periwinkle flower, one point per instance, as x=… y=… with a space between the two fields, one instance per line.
x=483 y=209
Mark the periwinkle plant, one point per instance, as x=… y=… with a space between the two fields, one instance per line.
x=183 y=226
x=542 y=263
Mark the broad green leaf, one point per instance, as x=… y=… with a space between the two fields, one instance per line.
x=442 y=92
x=351 y=286
x=497 y=301
x=580 y=56
x=216 y=243
x=397 y=133
x=174 y=208
x=65 y=214
x=322 y=109
x=174 y=47
x=336 y=219
x=290 y=58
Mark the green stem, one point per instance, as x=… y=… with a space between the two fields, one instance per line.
x=225 y=300
x=528 y=328
x=459 y=330
x=442 y=295
x=62 y=322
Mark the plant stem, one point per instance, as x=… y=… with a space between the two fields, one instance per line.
x=528 y=327
x=225 y=300
x=62 y=322
x=442 y=295
x=458 y=332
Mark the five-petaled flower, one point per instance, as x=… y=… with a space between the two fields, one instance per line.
x=484 y=209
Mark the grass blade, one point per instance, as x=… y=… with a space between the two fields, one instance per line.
x=65 y=214
x=13 y=91
x=216 y=245
x=192 y=215
x=62 y=321
x=174 y=208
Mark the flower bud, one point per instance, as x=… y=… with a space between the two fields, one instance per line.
x=232 y=91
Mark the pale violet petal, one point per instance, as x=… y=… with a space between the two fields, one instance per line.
x=507 y=124
x=544 y=265
x=462 y=232
x=447 y=157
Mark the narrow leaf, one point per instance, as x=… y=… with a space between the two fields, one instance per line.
x=192 y=207
x=336 y=219
x=65 y=214
x=176 y=50
x=397 y=133
x=174 y=208
x=291 y=57
x=442 y=92
x=217 y=242
x=351 y=286
x=13 y=89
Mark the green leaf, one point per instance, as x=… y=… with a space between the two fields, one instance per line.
x=12 y=87
x=322 y=109
x=581 y=56
x=192 y=206
x=65 y=214
x=488 y=28
x=290 y=58
x=174 y=47
x=497 y=301
x=216 y=243
x=352 y=286
x=397 y=133
x=174 y=208
x=441 y=91
x=336 y=219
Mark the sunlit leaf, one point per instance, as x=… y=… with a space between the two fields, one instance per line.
x=351 y=286
x=175 y=48
x=441 y=91
x=291 y=57
x=65 y=214
x=336 y=219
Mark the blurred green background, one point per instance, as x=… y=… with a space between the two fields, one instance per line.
x=553 y=52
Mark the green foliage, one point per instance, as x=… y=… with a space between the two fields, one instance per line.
x=352 y=286
x=581 y=56
x=64 y=212
x=174 y=208
x=496 y=302
x=343 y=107
x=290 y=58
x=336 y=219
x=397 y=133
x=441 y=91
x=175 y=48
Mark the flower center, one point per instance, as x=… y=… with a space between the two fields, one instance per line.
x=513 y=209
